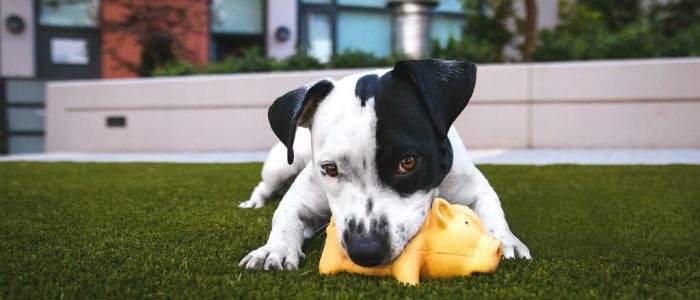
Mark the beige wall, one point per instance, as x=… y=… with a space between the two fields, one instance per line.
x=17 y=50
x=606 y=104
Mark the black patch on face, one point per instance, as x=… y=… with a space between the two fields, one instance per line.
x=365 y=87
x=416 y=103
x=404 y=128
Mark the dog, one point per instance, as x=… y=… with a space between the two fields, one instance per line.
x=373 y=150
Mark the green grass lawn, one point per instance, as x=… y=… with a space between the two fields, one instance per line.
x=173 y=230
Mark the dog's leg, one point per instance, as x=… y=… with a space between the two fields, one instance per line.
x=488 y=207
x=302 y=211
x=466 y=185
x=475 y=191
x=277 y=174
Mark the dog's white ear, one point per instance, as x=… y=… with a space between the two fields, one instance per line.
x=296 y=108
x=445 y=87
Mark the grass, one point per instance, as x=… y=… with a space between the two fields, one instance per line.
x=173 y=231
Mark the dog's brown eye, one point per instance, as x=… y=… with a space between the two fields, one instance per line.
x=407 y=164
x=330 y=169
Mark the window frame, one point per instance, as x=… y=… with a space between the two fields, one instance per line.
x=332 y=9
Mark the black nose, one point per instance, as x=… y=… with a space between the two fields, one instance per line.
x=366 y=249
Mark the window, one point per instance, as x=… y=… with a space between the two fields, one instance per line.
x=69 y=13
x=333 y=26
x=448 y=21
x=237 y=16
x=365 y=31
x=445 y=27
x=21 y=116
x=235 y=26
x=320 y=38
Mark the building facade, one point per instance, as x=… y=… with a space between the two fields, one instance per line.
x=44 y=40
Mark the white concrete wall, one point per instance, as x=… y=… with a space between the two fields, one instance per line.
x=606 y=104
x=281 y=13
x=17 y=50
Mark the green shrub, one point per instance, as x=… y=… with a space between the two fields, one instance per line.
x=583 y=34
x=251 y=61
x=356 y=59
x=685 y=42
x=300 y=62
x=177 y=68
x=466 y=49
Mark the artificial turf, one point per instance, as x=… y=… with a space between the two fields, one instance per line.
x=127 y=231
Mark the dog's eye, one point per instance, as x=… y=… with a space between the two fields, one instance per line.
x=407 y=164
x=330 y=169
x=466 y=222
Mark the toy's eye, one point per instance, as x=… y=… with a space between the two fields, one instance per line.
x=330 y=169
x=466 y=222
x=407 y=163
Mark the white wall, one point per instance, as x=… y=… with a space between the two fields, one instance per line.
x=281 y=13
x=604 y=104
x=17 y=50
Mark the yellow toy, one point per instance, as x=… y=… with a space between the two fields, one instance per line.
x=452 y=242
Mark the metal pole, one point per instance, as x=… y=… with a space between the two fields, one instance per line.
x=412 y=26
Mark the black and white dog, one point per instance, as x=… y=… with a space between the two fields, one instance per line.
x=378 y=149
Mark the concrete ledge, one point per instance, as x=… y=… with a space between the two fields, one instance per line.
x=495 y=156
x=607 y=104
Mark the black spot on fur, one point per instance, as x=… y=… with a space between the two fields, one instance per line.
x=365 y=87
x=351 y=224
x=360 y=227
x=382 y=224
x=402 y=228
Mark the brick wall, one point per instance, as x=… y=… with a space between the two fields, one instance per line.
x=186 y=20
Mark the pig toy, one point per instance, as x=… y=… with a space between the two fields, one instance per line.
x=451 y=242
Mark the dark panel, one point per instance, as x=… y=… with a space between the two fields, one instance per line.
x=64 y=41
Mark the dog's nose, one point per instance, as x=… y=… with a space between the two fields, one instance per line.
x=366 y=249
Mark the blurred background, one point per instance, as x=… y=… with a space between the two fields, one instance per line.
x=633 y=84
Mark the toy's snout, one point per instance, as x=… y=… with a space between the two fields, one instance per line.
x=488 y=254
x=367 y=249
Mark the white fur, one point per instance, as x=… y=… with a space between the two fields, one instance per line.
x=341 y=128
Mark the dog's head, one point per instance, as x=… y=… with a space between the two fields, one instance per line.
x=380 y=147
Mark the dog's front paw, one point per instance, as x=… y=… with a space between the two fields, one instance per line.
x=513 y=247
x=270 y=257
x=252 y=203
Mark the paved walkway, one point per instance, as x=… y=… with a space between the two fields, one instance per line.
x=519 y=157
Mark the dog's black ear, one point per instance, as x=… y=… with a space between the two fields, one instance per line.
x=445 y=87
x=296 y=108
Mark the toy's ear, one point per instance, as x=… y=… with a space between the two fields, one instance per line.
x=442 y=212
x=445 y=87
x=296 y=108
